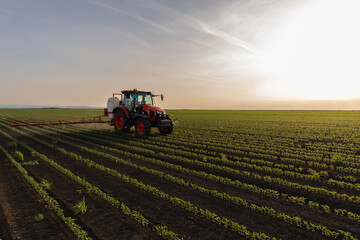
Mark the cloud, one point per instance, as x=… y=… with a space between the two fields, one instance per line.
x=144 y=20
x=228 y=38
x=202 y=26
x=190 y=21
x=208 y=45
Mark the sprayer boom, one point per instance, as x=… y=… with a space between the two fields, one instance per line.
x=62 y=122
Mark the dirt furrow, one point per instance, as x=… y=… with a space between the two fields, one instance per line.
x=283 y=206
x=156 y=210
x=19 y=204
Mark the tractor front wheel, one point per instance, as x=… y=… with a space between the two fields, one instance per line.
x=120 y=122
x=142 y=127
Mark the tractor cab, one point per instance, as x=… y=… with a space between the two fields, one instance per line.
x=136 y=99
x=136 y=108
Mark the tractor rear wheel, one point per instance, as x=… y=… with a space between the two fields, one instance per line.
x=167 y=130
x=120 y=122
x=142 y=127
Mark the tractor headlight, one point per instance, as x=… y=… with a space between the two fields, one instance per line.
x=159 y=113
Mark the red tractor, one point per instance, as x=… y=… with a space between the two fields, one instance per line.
x=136 y=108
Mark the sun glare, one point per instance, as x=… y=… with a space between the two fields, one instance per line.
x=315 y=52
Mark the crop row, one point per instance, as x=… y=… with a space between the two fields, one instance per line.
x=244 y=162
x=236 y=200
x=270 y=151
x=222 y=221
x=307 y=131
x=269 y=179
x=252 y=151
x=137 y=216
x=283 y=154
x=250 y=155
x=203 y=151
x=332 y=163
x=268 y=192
x=236 y=183
x=51 y=202
x=146 y=148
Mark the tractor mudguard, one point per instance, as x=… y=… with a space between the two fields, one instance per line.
x=123 y=109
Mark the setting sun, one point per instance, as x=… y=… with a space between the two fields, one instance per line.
x=315 y=52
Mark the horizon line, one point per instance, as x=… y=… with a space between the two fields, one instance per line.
x=15 y=106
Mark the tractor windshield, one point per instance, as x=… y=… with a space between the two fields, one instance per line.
x=144 y=98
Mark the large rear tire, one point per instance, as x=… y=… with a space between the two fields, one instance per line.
x=142 y=127
x=167 y=130
x=121 y=122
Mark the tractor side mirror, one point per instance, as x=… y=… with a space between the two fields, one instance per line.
x=162 y=97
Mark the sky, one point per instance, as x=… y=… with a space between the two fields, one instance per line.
x=203 y=54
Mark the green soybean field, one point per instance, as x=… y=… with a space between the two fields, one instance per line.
x=221 y=174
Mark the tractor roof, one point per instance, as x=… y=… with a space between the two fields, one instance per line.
x=135 y=91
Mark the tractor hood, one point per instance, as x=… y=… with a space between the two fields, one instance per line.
x=148 y=107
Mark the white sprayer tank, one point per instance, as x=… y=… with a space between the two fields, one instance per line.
x=111 y=105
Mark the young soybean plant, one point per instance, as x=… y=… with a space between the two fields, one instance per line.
x=31 y=163
x=19 y=156
x=46 y=184
x=80 y=207
x=12 y=144
x=39 y=217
